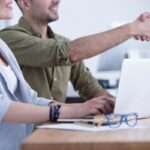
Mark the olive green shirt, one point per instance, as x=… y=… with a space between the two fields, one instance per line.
x=46 y=65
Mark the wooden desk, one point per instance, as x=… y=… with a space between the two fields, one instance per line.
x=50 y=139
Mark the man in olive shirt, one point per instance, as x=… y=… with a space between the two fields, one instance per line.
x=49 y=61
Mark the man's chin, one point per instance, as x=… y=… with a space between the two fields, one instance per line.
x=52 y=19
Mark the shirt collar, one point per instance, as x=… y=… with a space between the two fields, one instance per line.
x=23 y=23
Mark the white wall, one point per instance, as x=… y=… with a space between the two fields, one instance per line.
x=81 y=17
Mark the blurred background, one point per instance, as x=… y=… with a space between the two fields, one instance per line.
x=83 y=17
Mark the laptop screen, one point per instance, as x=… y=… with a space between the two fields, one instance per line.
x=134 y=87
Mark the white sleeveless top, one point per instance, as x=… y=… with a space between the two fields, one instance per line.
x=9 y=76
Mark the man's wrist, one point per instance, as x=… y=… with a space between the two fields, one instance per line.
x=86 y=108
x=133 y=28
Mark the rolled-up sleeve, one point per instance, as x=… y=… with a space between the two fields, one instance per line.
x=4 y=106
x=33 y=51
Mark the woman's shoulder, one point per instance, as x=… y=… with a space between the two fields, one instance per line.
x=6 y=52
x=1 y=41
x=3 y=44
x=4 y=49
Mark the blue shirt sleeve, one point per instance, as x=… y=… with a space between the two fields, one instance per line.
x=39 y=100
x=4 y=106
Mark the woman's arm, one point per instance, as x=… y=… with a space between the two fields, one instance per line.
x=28 y=113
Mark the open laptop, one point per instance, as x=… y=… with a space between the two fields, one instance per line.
x=134 y=88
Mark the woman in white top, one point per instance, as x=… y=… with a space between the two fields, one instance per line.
x=19 y=104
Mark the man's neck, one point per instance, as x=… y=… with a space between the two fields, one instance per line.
x=38 y=27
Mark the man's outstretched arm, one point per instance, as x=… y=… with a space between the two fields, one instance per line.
x=86 y=47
